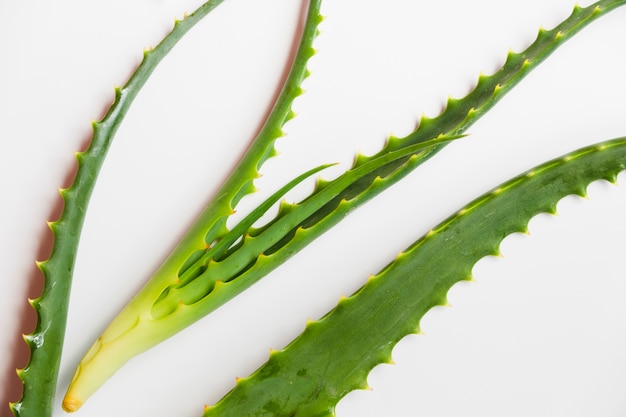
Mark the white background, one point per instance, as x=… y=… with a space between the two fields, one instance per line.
x=540 y=332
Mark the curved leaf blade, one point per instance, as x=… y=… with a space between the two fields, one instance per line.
x=334 y=355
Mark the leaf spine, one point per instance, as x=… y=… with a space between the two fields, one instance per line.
x=365 y=386
x=359 y=159
x=218 y=284
x=52 y=225
x=291 y=114
x=273 y=352
x=33 y=302
x=21 y=372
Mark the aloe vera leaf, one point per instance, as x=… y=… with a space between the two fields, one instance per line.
x=157 y=313
x=46 y=341
x=236 y=264
x=459 y=115
x=211 y=224
x=334 y=355
x=210 y=227
x=363 y=187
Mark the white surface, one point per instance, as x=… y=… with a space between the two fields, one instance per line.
x=540 y=332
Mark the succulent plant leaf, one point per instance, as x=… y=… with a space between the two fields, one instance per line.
x=166 y=307
x=46 y=342
x=213 y=263
x=334 y=355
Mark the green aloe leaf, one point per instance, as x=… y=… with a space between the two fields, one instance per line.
x=335 y=354
x=46 y=341
x=140 y=325
x=522 y=120
x=195 y=279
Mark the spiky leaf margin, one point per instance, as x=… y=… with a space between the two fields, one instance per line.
x=40 y=375
x=334 y=355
